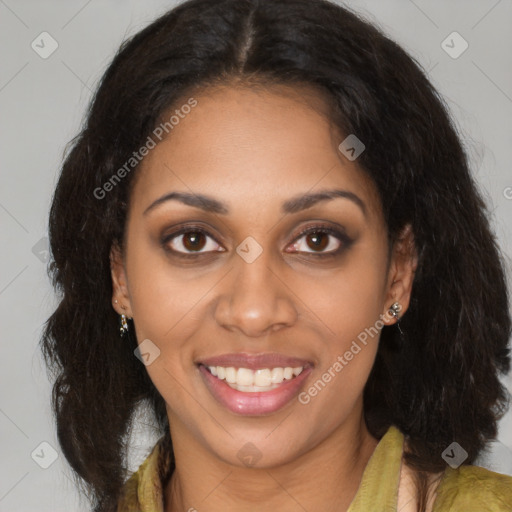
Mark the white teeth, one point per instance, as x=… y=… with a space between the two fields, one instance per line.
x=263 y=379
x=231 y=375
x=277 y=375
x=253 y=389
x=244 y=377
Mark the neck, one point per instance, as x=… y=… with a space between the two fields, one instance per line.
x=324 y=478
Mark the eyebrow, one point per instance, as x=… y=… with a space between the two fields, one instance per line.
x=293 y=205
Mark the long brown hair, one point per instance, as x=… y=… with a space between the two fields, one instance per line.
x=439 y=383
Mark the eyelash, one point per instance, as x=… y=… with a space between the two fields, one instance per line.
x=344 y=240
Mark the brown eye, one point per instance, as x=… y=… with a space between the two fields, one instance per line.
x=317 y=241
x=190 y=241
x=322 y=241
x=193 y=241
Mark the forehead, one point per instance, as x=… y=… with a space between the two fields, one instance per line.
x=244 y=144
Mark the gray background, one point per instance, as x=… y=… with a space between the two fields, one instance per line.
x=42 y=102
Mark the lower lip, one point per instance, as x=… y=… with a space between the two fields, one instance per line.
x=257 y=403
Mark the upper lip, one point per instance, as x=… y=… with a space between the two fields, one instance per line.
x=255 y=361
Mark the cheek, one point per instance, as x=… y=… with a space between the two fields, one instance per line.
x=351 y=299
x=350 y=305
x=338 y=382
x=167 y=312
x=169 y=308
x=165 y=299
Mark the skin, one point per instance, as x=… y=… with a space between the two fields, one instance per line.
x=253 y=149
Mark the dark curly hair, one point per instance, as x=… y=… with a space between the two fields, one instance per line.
x=439 y=384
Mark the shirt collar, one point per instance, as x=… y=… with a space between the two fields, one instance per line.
x=379 y=483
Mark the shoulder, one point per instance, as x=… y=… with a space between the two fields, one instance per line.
x=473 y=488
x=128 y=501
x=144 y=487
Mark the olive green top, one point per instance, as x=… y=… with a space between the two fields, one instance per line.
x=465 y=489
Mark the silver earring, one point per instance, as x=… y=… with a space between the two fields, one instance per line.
x=123 y=329
x=393 y=310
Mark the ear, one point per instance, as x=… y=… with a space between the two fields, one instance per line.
x=120 y=295
x=404 y=261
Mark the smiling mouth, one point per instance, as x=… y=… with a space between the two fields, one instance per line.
x=254 y=381
x=254 y=391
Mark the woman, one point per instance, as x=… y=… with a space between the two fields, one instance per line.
x=272 y=199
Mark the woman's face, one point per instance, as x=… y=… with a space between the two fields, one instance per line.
x=230 y=282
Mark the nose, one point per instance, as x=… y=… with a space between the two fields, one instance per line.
x=256 y=299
